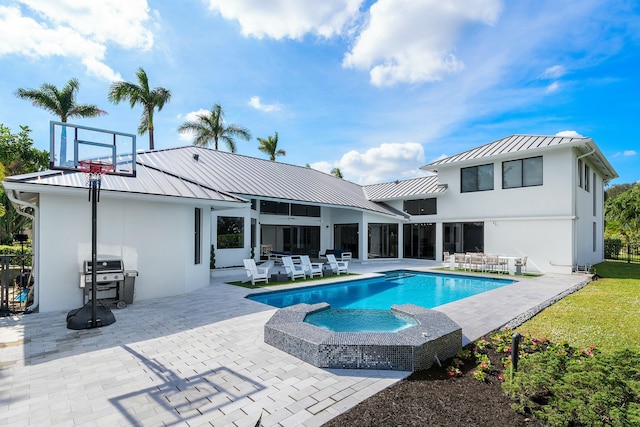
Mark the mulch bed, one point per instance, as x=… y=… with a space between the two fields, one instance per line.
x=433 y=398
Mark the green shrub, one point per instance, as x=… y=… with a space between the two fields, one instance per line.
x=572 y=389
x=612 y=247
x=17 y=250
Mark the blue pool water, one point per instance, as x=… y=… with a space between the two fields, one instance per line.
x=396 y=287
x=347 y=320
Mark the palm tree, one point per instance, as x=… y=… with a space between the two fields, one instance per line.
x=270 y=146
x=62 y=103
x=211 y=127
x=337 y=173
x=140 y=93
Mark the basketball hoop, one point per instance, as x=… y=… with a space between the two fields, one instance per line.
x=93 y=170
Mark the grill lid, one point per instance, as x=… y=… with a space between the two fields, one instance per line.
x=105 y=265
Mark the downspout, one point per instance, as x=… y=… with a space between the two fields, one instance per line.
x=35 y=246
x=575 y=208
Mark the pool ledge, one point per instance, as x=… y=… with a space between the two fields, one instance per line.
x=435 y=337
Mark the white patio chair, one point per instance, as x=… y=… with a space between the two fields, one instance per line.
x=254 y=273
x=293 y=270
x=338 y=266
x=312 y=269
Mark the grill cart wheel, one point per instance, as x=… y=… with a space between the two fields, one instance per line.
x=121 y=304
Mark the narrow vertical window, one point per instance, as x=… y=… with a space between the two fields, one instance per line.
x=197 y=236
x=579 y=173
x=586 y=177
x=594 y=237
x=594 y=196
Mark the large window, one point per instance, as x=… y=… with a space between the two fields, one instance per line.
x=419 y=241
x=461 y=237
x=345 y=237
x=421 y=207
x=230 y=232
x=476 y=178
x=383 y=241
x=295 y=239
x=522 y=173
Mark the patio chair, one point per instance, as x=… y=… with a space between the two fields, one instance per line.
x=338 y=266
x=446 y=259
x=312 y=269
x=293 y=270
x=254 y=273
x=524 y=264
x=492 y=261
x=461 y=261
x=476 y=260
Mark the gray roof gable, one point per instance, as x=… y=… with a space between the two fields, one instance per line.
x=509 y=144
x=405 y=189
x=250 y=176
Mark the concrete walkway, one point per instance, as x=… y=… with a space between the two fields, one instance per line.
x=199 y=359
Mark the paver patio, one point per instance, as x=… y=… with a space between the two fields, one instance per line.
x=199 y=359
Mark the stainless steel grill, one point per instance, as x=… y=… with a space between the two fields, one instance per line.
x=113 y=282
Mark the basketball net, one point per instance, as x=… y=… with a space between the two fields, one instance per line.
x=93 y=171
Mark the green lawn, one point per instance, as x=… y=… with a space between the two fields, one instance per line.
x=605 y=313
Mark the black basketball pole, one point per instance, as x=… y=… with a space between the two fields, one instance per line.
x=94 y=248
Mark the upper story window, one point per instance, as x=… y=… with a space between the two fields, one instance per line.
x=476 y=178
x=522 y=173
x=587 y=174
x=579 y=173
x=293 y=209
x=274 y=208
x=305 y=210
x=421 y=206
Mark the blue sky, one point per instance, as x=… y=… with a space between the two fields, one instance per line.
x=376 y=88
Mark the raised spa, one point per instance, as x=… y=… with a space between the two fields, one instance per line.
x=434 y=337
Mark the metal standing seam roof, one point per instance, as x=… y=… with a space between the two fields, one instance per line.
x=509 y=144
x=147 y=181
x=250 y=176
x=404 y=189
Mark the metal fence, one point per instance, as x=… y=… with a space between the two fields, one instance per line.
x=617 y=251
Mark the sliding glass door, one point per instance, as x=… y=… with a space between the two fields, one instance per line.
x=296 y=239
x=345 y=237
x=419 y=241
x=460 y=237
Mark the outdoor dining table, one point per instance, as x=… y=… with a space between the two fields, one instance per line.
x=511 y=262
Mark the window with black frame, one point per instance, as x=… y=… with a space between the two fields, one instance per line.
x=421 y=206
x=476 y=178
x=522 y=173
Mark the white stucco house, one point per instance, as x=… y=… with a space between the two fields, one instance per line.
x=523 y=195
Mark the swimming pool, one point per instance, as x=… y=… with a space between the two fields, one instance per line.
x=380 y=293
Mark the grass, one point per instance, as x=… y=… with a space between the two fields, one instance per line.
x=605 y=313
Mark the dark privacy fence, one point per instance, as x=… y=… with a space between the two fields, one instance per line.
x=617 y=250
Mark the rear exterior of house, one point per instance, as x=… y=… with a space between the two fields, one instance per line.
x=540 y=197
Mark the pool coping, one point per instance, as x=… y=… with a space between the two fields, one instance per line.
x=435 y=337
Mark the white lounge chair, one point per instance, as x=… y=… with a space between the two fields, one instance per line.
x=338 y=266
x=312 y=269
x=293 y=270
x=254 y=273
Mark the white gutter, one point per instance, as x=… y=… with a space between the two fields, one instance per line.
x=35 y=243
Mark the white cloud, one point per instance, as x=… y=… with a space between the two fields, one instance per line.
x=569 y=134
x=190 y=117
x=625 y=153
x=77 y=29
x=554 y=72
x=279 y=19
x=384 y=163
x=553 y=87
x=256 y=103
x=414 y=41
